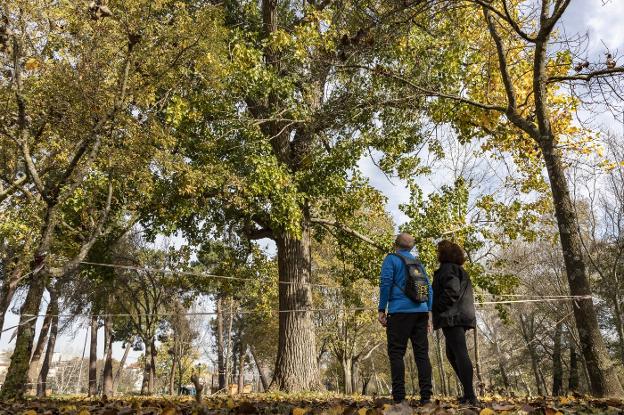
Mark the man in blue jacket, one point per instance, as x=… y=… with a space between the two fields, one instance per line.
x=404 y=319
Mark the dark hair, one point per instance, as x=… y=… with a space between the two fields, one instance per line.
x=451 y=252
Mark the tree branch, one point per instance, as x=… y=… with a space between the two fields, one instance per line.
x=427 y=92
x=588 y=76
x=512 y=110
x=261 y=233
x=352 y=232
x=506 y=16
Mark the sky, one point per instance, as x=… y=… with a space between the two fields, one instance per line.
x=604 y=25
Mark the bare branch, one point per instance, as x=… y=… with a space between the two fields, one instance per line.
x=588 y=76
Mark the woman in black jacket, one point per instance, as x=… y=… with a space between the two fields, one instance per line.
x=454 y=312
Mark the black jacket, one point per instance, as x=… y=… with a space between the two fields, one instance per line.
x=453 y=298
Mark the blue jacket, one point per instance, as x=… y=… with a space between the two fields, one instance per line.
x=390 y=295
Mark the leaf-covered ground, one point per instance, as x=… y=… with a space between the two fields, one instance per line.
x=305 y=405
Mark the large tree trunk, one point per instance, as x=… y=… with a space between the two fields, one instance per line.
x=93 y=356
x=42 y=340
x=602 y=374
x=557 y=365
x=42 y=383
x=220 y=344
x=296 y=368
x=107 y=372
x=264 y=379
x=122 y=364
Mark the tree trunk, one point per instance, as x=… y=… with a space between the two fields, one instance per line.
x=501 y=366
x=528 y=333
x=365 y=382
x=220 y=344
x=535 y=368
x=264 y=379
x=42 y=340
x=241 y=368
x=573 y=379
x=296 y=368
x=122 y=364
x=481 y=384
x=17 y=374
x=441 y=372
x=619 y=321
x=47 y=360
x=6 y=296
x=107 y=372
x=147 y=370
x=602 y=374
x=355 y=375
x=152 y=377
x=345 y=364
x=229 y=355
x=93 y=357
x=557 y=365
x=172 y=373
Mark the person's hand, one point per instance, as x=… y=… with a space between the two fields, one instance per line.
x=382 y=318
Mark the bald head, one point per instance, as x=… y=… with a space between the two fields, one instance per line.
x=404 y=241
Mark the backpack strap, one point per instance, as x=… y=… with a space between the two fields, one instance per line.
x=407 y=261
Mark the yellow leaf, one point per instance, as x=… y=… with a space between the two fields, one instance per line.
x=29 y=412
x=230 y=403
x=299 y=411
x=32 y=64
x=362 y=411
x=84 y=412
x=487 y=411
x=169 y=411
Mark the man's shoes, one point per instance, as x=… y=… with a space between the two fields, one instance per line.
x=425 y=401
x=399 y=408
x=469 y=401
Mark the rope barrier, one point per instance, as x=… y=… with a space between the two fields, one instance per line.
x=307 y=310
x=226 y=277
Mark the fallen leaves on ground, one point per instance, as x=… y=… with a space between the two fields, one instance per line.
x=307 y=404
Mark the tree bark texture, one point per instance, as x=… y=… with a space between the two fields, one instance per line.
x=47 y=360
x=107 y=372
x=296 y=368
x=92 y=391
x=602 y=374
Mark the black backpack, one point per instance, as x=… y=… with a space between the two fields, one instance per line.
x=416 y=284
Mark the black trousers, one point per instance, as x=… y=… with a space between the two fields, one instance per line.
x=457 y=354
x=402 y=327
